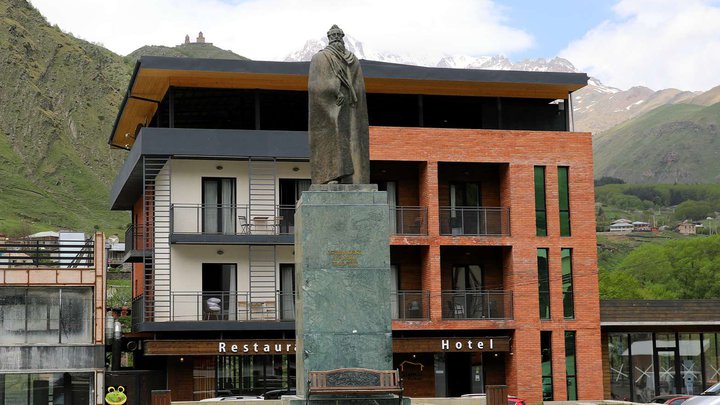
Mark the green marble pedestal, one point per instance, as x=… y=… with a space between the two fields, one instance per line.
x=342 y=279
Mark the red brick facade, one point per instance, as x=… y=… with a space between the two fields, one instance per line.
x=514 y=155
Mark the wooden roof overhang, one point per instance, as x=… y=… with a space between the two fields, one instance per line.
x=153 y=77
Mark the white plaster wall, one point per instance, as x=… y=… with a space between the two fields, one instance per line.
x=186 y=183
x=187 y=263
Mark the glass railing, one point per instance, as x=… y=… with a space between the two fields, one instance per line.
x=408 y=220
x=410 y=305
x=477 y=304
x=475 y=221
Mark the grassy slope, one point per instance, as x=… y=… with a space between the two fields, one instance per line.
x=58 y=98
x=670 y=144
x=186 y=51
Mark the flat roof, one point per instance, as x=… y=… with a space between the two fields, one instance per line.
x=634 y=313
x=153 y=75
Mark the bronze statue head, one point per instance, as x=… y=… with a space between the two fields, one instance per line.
x=335 y=34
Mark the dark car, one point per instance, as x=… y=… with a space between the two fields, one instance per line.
x=276 y=394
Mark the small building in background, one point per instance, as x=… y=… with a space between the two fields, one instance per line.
x=687 y=228
x=52 y=306
x=621 y=225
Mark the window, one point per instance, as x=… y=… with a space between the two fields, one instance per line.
x=543 y=283
x=567 y=284
x=47 y=388
x=540 y=209
x=546 y=364
x=564 y=200
x=570 y=366
x=45 y=315
x=219 y=209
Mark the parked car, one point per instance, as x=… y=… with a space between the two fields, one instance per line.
x=710 y=396
x=276 y=394
x=669 y=399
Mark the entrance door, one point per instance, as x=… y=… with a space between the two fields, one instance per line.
x=219 y=298
x=458 y=367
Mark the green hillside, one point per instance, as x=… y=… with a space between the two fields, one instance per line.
x=58 y=98
x=192 y=50
x=677 y=143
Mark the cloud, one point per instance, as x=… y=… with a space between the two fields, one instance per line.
x=270 y=29
x=654 y=43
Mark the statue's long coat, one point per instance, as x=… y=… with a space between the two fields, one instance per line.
x=339 y=135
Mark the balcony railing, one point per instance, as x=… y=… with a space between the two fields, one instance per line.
x=477 y=304
x=230 y=306
x=138 y=237
x=410 y=305
x=219 y=219
x=408 y=220
x=65 y=254
x=475 y=221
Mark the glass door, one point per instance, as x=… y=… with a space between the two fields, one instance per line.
x=667 y=371
x=218 y=207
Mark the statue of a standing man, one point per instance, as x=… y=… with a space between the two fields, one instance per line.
x=338 y=121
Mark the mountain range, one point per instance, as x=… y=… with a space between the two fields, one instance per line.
x=59 y=96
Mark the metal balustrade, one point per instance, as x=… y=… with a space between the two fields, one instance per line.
x=64 y=254
x=231 y=219
x=230 y=306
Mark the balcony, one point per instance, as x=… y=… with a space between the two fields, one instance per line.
x=202 y=223
x=210 y=307
x=475 y=221
x=137 y=240
x=477 y=304
x=64 y=254
x=408 y=221
x=410 y=305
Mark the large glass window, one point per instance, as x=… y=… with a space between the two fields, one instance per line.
x=567 y=284
x=691 y=363
x=564 y=200
x=620 y=369
x=570 y=366
x=47 y=315
x=540 y=209
x=242 y=375
x=47 y=388
x=546 y=363
x=643 y=366
x=711 y=351
x=543 y=283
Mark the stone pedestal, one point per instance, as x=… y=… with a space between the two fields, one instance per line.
x=342 y=279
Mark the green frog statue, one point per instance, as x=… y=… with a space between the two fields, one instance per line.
x=116 y=397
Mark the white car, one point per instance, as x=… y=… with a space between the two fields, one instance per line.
x=710 y=396
x=233 y=398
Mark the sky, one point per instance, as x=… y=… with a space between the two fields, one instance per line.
x=624 y=43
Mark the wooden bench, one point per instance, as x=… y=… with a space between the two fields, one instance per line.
x=354 y=381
